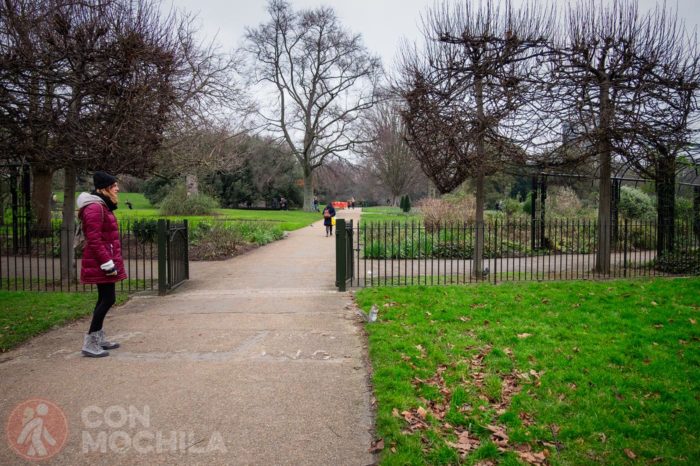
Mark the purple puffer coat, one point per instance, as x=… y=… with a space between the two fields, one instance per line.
x=101 y=241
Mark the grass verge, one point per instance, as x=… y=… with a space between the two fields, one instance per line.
x=24 y=315
x=538 y=373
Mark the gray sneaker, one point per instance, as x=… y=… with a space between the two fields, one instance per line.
x=91 y=348
x=102 y=341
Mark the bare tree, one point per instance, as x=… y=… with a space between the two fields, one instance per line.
x=91 y=85
x=391 y=159
x=626 y=83
x=465 y=96
x=664 y=112
x=323 y=78
x=95 y=85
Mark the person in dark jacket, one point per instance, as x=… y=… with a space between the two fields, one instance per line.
x=328 y=214
x=102 y=262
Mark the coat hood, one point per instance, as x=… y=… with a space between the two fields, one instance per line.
x=86 y=199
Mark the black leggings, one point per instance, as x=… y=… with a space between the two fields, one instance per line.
x=106 y=297
x=329 y=229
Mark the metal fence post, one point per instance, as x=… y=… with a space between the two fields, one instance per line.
x=624 y=249
x=162 y=257
x=340 y=256
x=187 y=250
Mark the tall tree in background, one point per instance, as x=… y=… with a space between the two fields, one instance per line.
x=323 y=79
x=619 y=79
x=664 y=112
x=388 y=154
x=467 y=89
x=90 y=85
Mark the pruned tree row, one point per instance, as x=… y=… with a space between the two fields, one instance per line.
x=493 y=85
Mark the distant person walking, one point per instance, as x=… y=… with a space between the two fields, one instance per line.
x=329 y=219
x=102 y=262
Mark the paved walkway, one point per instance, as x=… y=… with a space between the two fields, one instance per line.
x=256 y=360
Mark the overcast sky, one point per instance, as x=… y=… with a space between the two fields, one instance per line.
x=382 y=23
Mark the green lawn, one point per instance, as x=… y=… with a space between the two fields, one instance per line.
x=566 y=372
x=27 y=314
x=287 y=220
x=389 y=214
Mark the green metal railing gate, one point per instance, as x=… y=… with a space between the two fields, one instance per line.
x=173 y=256
x=344 y=254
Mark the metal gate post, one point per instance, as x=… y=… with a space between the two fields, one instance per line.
x=340 y=256
x=162 y=257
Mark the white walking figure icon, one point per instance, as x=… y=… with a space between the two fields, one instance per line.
x=34 y=433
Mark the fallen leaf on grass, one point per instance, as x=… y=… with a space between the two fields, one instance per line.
x=630 y=454
x=465 y=319
x=524 y=335
x=422 y=412
x=693 y=321
x=377 y=446
x=537 y=458
x=658 y=325
x=414 y=422
x=526 y=418
x=498 y=435
x=464 y=443
x=395 y=412
x=654 y=303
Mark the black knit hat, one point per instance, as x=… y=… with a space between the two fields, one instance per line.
x=103 y=180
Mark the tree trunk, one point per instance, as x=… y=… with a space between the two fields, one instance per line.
x=192 y=184
x=665 y=202
x=696 y=211
x=41 y=199
x=602 y=264
x=480 y=228
x=68 y=268
x=480 y=195
x=308 y=191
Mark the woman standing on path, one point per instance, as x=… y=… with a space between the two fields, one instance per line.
x=102 y=262
x=328 y=215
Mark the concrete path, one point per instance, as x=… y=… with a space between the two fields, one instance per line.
x=256 y=360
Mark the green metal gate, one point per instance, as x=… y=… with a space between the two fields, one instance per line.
x=173 y=256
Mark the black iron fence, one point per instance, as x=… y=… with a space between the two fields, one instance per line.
x=173 y=247
x=344 y=253
x=410 y=254
x=34 y=262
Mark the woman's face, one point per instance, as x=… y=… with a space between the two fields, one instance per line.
x=113 y=190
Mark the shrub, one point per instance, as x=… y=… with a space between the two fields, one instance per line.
x=636 y=205
x=563 y=202
x=177 y=202
x=406 y=203
x=437 y=212
x=214 y=242
x=527 y=205
x=156 y=189
x=679 y=262
x=511 y=206
x=144 y=230
x=684 y=208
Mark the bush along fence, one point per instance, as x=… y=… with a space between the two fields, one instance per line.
x=443 y=253
x=155 y=257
